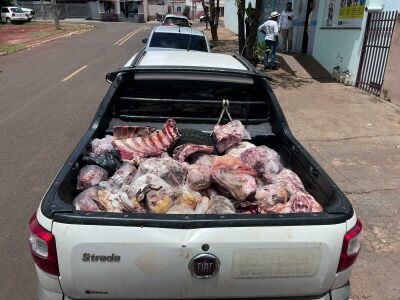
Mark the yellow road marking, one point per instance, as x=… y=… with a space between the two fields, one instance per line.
x=128 y=36
x=74 y=73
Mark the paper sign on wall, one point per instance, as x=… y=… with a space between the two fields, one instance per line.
x=344 y=13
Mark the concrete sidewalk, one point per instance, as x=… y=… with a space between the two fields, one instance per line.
x=356 y=138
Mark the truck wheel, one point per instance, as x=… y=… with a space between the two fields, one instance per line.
x=8 y=21
x=193 y=136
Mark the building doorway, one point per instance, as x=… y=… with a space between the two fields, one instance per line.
x=310 y=23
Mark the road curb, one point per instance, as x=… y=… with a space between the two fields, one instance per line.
x=36 y=44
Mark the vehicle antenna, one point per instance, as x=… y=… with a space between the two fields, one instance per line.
x=190 y=38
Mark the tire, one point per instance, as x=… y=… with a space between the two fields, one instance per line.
x=8 y=21
x=193 y=136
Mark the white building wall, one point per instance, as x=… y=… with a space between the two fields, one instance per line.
x=391 y=5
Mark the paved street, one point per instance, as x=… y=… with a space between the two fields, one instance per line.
x=48 y=96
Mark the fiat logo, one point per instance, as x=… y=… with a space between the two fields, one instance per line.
x=204 y=265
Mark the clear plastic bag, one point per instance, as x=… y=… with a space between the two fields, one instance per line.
x=220 y=205
x=271 y=198
x=301 y=202
x=238 y=149
x=87 y=200
x=262 y=159
x=89 y=176
x=102 y=145
x=229 y=134
x=110 y=161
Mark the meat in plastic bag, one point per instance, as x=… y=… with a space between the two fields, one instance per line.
x=160 y=201
x=238 y=149
x=123 y=176
x=271 y=198
x=198 y=177
x=202 y=207
x=262 y=159
x=301 y=202
x=102 y=145
x=220 y=205
x=89 y=176
x=87 y=200
x=202 y=159
x=181 y=153
x=142 y=185
x=186 y=201
x=230 y=173
x=168 y=169
x=126 y=132
x=110 y=161
x=229 y=134
x=288 y=179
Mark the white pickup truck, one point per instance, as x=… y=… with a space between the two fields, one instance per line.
x=101 y=255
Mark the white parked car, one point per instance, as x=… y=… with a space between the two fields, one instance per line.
x=174 y=20
x=10 y=14
x=29 y=12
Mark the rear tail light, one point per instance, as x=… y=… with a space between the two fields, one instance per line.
x=43 y=247
x=351 y=247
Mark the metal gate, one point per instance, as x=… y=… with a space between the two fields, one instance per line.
x=375 y=51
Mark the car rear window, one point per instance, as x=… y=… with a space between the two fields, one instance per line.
x=176 y=21
x=16 y=10
x=178 y=41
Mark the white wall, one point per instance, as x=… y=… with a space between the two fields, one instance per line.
x=230 y=15
x=392 y=5
x=331 y=43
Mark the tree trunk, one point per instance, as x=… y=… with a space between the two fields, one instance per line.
x=251 y=40
x=241 y=9
x=54 y=9
x=214 y=20
x=42 y=8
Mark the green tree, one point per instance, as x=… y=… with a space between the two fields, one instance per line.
x=186 y=11
x=252 y=38
x=6 y=3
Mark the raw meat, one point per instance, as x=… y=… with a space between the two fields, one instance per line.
x=181 y=153
x=123 y=176
x=288 y=179
x=202 y=159
x=229 y=134
x=87 y=200
x=186 y=202
x=262 y=159
x=220 y=205
x=301 y=202
x=160 y=201
x=143 y=184
x=153 y=145
x=168 y=169
x=271 y=198
x=90 y=175
x=198 y=177
x=202 y=207
x=239 y=148
x=126 y=132
x=230 y=173
x=102 y=145
x=110 y=161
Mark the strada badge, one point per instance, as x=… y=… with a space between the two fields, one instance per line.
x=87 y=257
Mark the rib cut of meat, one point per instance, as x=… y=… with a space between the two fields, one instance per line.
x=126 y=132
x=136 y=148
x=184 y=151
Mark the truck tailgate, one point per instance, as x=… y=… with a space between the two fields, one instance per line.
x=154 y=262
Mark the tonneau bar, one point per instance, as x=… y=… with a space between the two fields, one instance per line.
x=191 y=101
x=188 y=119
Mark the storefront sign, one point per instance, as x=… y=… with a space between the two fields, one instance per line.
x=344 y=13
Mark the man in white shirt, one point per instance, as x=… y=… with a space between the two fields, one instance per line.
x=270 y=29
x=286 y=27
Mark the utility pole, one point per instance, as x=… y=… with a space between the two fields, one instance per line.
x=55 y=14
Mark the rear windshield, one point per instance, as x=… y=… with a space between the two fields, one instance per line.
x=178 y=41
x=16 y=10
x=176 y=21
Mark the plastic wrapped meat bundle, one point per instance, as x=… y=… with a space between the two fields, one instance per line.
x=110 y=161
x=271 y=198
x=198 y=177
x=288 y=179
x=168 y=169
x=301 y=202
x=160 y=201
x=123 y=176
x=103 y=145
x=202 y=159
x=87 y=200
x=142 y=185
x=238 y=149
x=220 y=205
x=262 y=159
x=229 y=134
x=186 y=202
x=181 y=153
x=231 y=174
x=90 y=175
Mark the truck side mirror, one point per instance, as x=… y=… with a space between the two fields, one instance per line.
x=144 y=41
x=110 y=77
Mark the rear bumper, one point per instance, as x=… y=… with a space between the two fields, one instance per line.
x=342 y=293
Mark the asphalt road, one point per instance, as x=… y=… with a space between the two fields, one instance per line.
x=48 y=96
